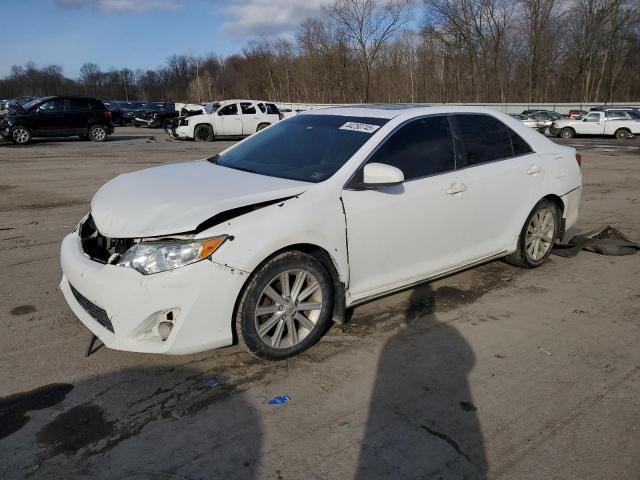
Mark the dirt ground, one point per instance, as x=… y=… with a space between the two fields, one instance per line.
x=494 y=373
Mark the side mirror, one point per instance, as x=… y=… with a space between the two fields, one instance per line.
x=380 y=175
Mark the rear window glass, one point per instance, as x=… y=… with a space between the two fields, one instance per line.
x=310 y=148
x=485 y=138
x=272 y=109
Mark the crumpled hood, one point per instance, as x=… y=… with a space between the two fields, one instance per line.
x=177 y=198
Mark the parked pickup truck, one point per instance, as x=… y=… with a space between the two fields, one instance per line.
x=621 y=123
x=231 y=118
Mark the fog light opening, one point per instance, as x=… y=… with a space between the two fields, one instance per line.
x=164 y=329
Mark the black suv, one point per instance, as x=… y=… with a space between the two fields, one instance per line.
x=65 y=116
x=155 y=114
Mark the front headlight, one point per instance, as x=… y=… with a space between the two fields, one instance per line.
x=162 y=255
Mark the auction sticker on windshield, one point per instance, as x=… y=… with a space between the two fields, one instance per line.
x=360 y=127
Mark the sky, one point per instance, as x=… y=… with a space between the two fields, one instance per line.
x=138 y=33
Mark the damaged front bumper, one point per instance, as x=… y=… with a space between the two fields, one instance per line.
x=124 y=308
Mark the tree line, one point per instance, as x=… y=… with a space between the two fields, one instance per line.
x=368 y=51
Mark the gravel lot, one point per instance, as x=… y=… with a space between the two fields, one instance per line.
x=493 y=373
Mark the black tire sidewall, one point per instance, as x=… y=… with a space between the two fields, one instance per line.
x=245 y=320
x=522 y=240
x=198 y=129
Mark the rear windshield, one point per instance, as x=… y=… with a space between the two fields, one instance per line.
x=310 y=148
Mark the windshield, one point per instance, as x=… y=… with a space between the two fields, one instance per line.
x=310 y=148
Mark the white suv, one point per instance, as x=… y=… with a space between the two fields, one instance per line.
x=275 y=237
x=231 y=118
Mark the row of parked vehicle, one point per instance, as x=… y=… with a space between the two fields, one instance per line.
x=621 y=122
x=23 y=118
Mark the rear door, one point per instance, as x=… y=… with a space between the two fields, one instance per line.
x=400 y=234
x=79 y=116
x=228 y=120
x=250 y=117
x=502 y=177
x=592 y=124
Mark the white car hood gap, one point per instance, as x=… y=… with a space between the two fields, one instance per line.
x=176 y=198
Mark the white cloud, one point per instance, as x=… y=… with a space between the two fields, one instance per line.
x=122 y=6
x=270 y=18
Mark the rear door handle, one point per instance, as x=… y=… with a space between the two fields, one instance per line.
x=533 y=170
x=455 y=188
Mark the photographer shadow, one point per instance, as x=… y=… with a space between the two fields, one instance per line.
x=422 y=422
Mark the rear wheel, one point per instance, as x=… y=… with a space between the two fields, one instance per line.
x=98 y=133
x=567 y=133
x=286 y=306
x=537 y=236
x=203 y=133
x=622 y=134
x=20 y=135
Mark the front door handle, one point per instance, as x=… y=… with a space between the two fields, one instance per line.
x=455 y=188
x=533 y=170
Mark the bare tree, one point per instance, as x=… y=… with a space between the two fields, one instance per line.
x=368 y=28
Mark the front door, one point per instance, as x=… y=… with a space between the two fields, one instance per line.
x=400 y=234
x=49 y=119
x=229 y=121
x=592 y=124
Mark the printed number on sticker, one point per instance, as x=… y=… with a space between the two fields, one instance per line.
x=360 y=127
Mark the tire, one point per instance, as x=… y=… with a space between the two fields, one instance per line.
x=98 y=133
x=262 y=126
x=283 y=334
x=567 y=133
x=534 y=231
x=20 y=135
x=622 y=134
x=203 y=133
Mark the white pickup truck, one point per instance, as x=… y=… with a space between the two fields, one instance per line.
x=231 y=118
x=621 y=123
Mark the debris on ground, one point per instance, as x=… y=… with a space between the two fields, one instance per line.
x=605 y=241
x=546 y=352
x=211 y=382
x=279 y=400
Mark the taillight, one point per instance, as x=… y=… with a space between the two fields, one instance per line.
x=107 y=114
x=579 y=159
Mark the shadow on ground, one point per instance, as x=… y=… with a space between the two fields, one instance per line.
x=159 y=412
x=422 y=421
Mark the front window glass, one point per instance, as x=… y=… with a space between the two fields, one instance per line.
x=231 y=109
x=52 y=106
x=421 y=148
x=310 y=148
x=592 y=117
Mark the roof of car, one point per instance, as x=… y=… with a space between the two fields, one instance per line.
x=390 y=111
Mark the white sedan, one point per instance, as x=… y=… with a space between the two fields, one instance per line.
x=271 y=240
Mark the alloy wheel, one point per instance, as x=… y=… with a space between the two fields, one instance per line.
x=540 y=233
x=20 y=135
x=288 y=308
x=99 y=134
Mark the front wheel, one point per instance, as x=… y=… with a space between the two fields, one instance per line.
x=286 y=307
x=567 y=133
x=98 y=133
x=20 y=135
x=537 y=236
x=203 y=133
